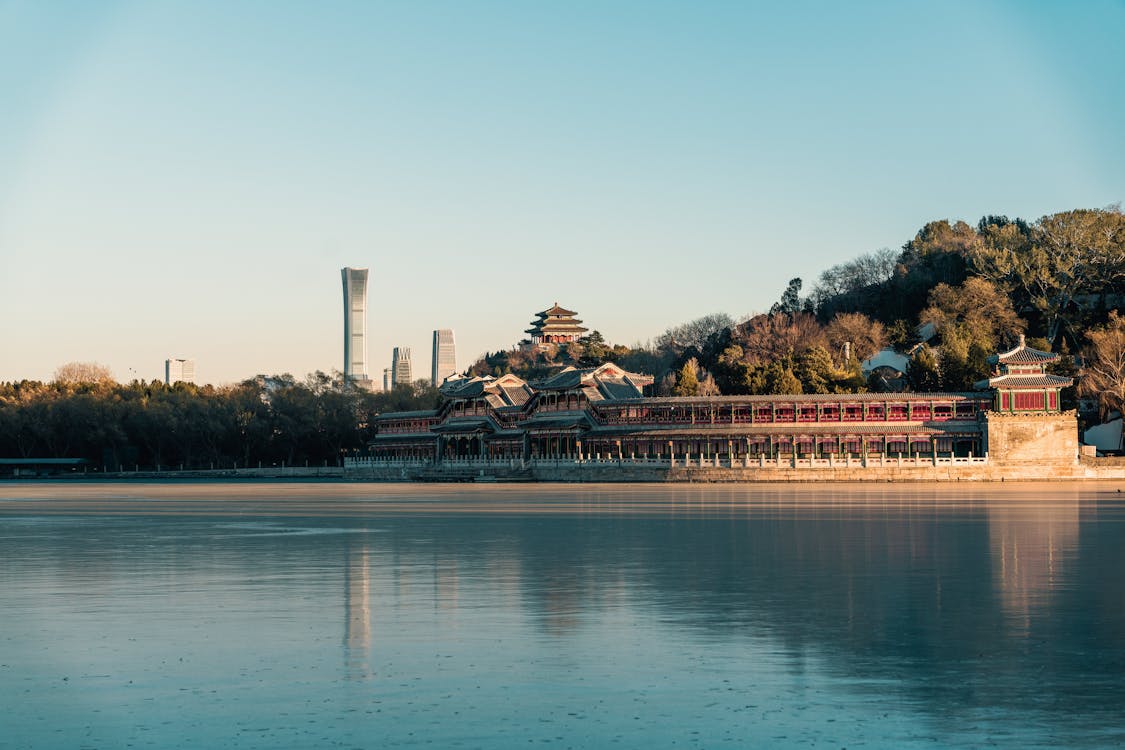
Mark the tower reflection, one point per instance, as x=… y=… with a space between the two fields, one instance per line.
x=357 y=614
x=1031 y=543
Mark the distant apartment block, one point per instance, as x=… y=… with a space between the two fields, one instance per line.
x=355 y=323
x=444 y=357
x=401 y=370
x=179 y=371
x=386 y=378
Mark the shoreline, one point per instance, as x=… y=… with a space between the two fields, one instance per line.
x=267 y=499
x=621 y=474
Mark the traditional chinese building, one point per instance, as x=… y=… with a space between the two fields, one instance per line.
x=1024 y=424
x=1021 y=382
x=603 y=413
x=556 y=325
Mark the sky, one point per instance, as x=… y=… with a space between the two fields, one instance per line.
x=187 y=179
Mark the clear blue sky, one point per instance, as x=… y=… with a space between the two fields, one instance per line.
x=187 y=179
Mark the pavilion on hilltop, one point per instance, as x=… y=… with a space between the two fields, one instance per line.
x=556 y=325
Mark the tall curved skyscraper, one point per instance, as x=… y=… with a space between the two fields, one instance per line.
x=355 y=323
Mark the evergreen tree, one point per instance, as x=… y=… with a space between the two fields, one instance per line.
x=688 y=384
x=922 y=371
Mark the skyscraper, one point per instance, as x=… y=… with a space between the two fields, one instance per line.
x=387 y=379
x=179 y=370
x=445 y=356
x=355 y=323
x=401 y=372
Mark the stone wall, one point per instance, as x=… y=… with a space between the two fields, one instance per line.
x=1032 y=438
x=629 y=472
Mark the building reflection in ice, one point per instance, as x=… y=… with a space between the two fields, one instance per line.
x=357 y=614
x=1031 y=543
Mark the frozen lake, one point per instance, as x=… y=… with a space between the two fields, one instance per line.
x=372 y=616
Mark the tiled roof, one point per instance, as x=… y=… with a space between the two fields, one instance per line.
x=1023 y=355
x=465 y=387
x=606 y=382
x=463 y=424
x=567 y=326
x=1026 y=381
x=821 y=429
x=569 y=377
x=556 y=310
x=387 y=437
x=517 y=396
x=407 y=414
x=825 y=398
x=507 y=390
x=571 y=420
x=614 y=390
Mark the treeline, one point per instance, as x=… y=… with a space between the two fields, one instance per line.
x=950 y=297
x=267 y=420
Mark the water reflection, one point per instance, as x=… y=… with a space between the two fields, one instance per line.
x=357 y=614
x=1031 y=545
x=889 y=616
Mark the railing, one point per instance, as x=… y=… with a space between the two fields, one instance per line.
x=699 y=461
x=607 y=416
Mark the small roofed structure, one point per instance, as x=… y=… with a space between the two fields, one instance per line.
x=507 y=390
x=605 y=382
x=1021 y=382
x=889 y=367
x=555 y=325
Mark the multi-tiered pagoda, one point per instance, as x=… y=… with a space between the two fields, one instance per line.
x=556 y=325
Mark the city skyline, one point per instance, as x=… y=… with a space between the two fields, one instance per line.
x=601 y=155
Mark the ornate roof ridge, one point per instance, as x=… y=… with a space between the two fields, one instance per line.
x=556 y=310
x=1023 y=354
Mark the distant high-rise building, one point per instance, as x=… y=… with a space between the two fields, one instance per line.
x=179 y=371
x=386 y=378
x=445 y=356
x=401 y=372
x=355 y=323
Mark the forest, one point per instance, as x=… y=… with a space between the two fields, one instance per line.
x=950 y=297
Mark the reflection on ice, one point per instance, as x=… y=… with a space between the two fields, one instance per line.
x=1031 y=545
x=357 y=614
x=502 y=617
x=264 y=528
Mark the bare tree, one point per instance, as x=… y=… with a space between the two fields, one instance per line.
x=770 y=338
x=865 y=335
x=83 y=372
x=694 y=333
x=1104 y=373
x=865 y=271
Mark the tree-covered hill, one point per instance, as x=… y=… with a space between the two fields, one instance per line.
x=971 y=290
